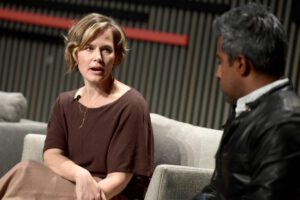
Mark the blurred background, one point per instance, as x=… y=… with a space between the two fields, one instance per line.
x=171 y=59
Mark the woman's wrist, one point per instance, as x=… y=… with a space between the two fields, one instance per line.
x=80 y=173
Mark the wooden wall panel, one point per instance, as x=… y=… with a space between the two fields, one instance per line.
x=177 y=81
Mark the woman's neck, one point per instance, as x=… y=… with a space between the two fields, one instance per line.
x=104 y=88
x=93 y=96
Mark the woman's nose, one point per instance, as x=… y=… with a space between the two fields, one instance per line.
x=98 y=55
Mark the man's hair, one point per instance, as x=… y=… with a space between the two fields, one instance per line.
x=254 y=32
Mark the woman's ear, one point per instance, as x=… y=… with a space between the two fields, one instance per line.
x=243 y=65
x=74 y=54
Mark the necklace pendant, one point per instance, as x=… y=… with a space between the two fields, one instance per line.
x=82 y=123
x=84 y=115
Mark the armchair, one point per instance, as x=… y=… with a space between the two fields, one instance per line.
x=184 y=157
x=13 y=128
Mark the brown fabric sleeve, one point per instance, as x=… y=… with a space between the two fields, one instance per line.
x=56 y=130
x=131 y=148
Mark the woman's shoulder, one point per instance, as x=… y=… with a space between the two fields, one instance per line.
x=134 y=101
x=67 y=96
x=135 y=95
x=130 y=94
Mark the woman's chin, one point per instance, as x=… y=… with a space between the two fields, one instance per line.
x=95 y=80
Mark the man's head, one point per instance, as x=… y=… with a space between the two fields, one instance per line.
x=253 y=36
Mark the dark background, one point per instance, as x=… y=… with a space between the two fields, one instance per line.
x=176 y=81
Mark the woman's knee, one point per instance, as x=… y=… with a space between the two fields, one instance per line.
x=26 y=166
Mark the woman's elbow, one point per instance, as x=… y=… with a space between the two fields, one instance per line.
x=50 y=155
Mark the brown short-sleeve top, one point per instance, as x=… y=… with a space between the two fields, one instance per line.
x=116 y=137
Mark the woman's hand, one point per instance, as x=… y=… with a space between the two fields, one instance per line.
x=87 y=187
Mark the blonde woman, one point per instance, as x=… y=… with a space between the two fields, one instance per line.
x=99 y=142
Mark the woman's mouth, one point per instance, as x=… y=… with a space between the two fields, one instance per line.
x=97 y=69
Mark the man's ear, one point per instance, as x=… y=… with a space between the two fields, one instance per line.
x=243 y=65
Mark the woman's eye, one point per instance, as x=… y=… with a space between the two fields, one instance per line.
x=107 y=50
x=88 y=48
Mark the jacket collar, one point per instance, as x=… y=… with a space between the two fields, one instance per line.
x=244 y=102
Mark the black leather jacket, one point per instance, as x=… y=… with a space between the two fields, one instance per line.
x=259 y=154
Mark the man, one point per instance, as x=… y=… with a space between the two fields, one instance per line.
x=259 y=154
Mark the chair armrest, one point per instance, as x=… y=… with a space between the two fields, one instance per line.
x=11 y=141
x=33 y=147
x=174 y=182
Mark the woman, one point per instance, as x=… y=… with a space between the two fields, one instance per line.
x=99 y=140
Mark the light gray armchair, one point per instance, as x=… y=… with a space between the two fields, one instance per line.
x=184 y=157
x=13 y=128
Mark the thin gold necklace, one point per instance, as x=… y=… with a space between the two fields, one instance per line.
x=84 y=114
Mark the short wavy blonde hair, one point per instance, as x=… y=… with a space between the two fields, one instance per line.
x=85 y=30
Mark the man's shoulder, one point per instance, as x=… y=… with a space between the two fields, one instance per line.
x=284 y=101
x=274 y=110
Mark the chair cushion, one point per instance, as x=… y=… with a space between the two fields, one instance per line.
x=33 y=147
x=13 y=106
x=179 y=143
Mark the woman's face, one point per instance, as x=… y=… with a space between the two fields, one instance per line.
x=96 y=60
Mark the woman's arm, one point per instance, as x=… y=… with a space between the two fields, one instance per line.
x=86 y=186
x=114 y=183
x=56 y=160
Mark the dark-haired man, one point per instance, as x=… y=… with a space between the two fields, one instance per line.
x=259 y=154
